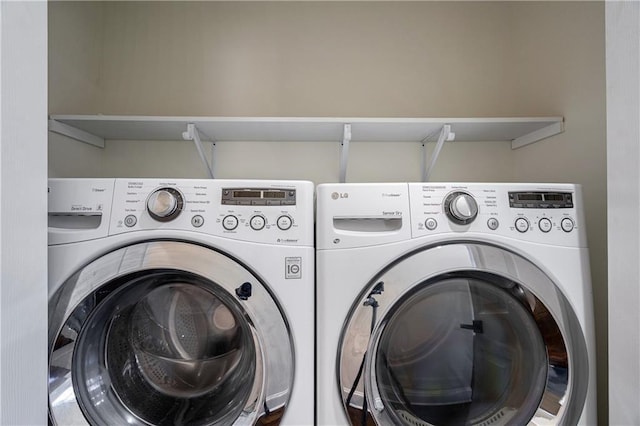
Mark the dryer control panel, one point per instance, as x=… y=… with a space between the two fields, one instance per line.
x=545 y=213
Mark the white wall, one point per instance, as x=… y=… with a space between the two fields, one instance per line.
x=385 y=59
x=623 y=177
x=23 y=234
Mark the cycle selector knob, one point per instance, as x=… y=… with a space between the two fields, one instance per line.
x=460 y=208
x=165 y=204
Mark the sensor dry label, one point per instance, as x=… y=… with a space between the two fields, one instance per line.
x=293 y=268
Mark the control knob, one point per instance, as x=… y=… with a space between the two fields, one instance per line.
x=165 y=204
x=460 y=208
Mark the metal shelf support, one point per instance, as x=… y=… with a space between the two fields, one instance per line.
x=192 y=134
x=75 y=133
x=445 y=135
x=344 y=152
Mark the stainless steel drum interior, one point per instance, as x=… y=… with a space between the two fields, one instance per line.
x=154 y=333
x=462 y=333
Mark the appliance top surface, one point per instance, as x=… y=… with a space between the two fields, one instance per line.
x=359 y=215
x=274 y=212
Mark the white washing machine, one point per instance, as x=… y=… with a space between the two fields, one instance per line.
x=181 y=302
x=453 y=304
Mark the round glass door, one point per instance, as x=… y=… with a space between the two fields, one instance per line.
x=456 y=335
x=478 y=356
x=153 y=335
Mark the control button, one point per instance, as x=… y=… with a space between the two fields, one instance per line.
x=165 y=204
x=567 y=224
x=461 y=208
x=431 y=224
x=522 y=224
x=197 y=221
x=257 y=222
x=493 y=223
x=130 y=221
x=284 y=222
x=545 y=224
x=230 y=222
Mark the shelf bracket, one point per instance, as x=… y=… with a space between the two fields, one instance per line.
x=75 y=133
x=537 y=135
x=192 y=134
x=445 y=135
x=344 y=152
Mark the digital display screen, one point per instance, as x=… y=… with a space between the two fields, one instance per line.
x=247 y=194
x=540 y=200
x=554 y=197
x=530 y=197
x=253 y=196
x=273 y=194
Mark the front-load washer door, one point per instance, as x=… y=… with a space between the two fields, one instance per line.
x=462 y=334
x=167 y=333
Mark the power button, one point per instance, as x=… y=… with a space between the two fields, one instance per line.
x=130 y=221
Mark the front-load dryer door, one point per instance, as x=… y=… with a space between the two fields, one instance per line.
x=167 y=333
x=462 y=334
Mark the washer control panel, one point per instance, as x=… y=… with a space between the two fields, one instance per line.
x=548 y=213
x=273 y=212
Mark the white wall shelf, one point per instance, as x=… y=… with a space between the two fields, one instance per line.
x=95 y=129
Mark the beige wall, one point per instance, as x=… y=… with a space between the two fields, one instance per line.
x=386 y=59
x=561 y=70
x=283 y=59
x=307 y=59
x=76 y=38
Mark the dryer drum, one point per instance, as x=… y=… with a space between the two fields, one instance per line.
x=487 y=340
x=449 y=372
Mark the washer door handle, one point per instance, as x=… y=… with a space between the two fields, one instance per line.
x=476 y=326
x=244 y=291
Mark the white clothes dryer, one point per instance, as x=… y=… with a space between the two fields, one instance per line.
x=175 y=301
x=453 y=304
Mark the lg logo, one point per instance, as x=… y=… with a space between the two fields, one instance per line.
x=338 y=195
